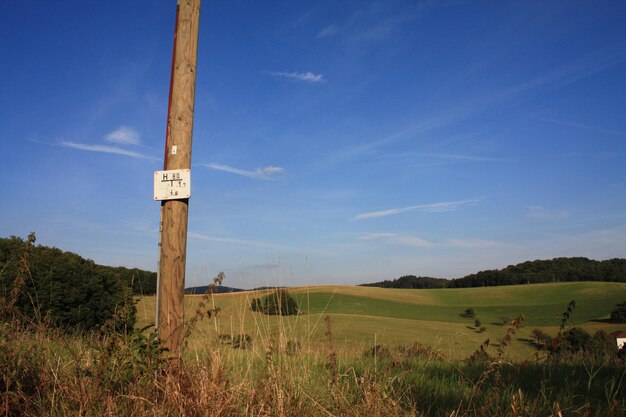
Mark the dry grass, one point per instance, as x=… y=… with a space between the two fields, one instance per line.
x=307 y=365
x=48 y=373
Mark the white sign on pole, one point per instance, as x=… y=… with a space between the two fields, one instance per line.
x=173 y=184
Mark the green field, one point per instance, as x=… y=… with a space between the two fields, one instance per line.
x=363 y=316
x=47 y=372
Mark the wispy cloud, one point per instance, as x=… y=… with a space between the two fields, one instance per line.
x=265 y=173
x=413 y=241
x=564 y=75
x=308 y=77
x=377 y=21
x=428 y=208
x=250 y=243
x=124 y=136
x=103 y=149
x=328 y=31
x=442 y=158
x=377 y=32
x=475 y=243
x=400 y=135
x=554 y=79
x=458 y=157
x=539 y=212
x=594 y=154
x=583 y=126
x=200 y=236
x=398 y=239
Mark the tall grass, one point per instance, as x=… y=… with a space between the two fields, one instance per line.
x=46 y=372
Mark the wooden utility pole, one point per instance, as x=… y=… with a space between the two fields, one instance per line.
x=174 y=213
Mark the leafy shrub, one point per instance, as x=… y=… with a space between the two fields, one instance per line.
x=280 y=303
x=256 y=304
x=541 y=337
x=125 y=359
x=469 y=312
x=575 y=339
x=618 y=315
x=602 y=346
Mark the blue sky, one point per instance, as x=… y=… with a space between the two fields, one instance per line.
x=334 y=142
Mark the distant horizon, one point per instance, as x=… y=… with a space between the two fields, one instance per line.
x=209 y=280
x=335 y=142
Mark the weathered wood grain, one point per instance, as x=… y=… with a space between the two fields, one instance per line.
x=175 y=212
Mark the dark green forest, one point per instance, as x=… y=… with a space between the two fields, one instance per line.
x=542 y=271
x=411 y=281
x=69 y=290
x=530 y=272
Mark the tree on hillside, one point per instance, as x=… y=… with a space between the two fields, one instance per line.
x=280 y=303
x=542 y=339
x=71 y=291
x=618 y=315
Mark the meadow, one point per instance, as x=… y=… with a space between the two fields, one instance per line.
x=365 y=316
x=353 y=351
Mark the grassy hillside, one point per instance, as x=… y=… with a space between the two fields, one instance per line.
x=541 y=304
x=362 y=316
x=51 y=373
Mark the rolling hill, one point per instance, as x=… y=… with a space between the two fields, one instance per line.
x=362 y=316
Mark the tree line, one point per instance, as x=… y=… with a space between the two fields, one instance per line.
x=69 y=290
x=529 y=272
x=411 y=281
